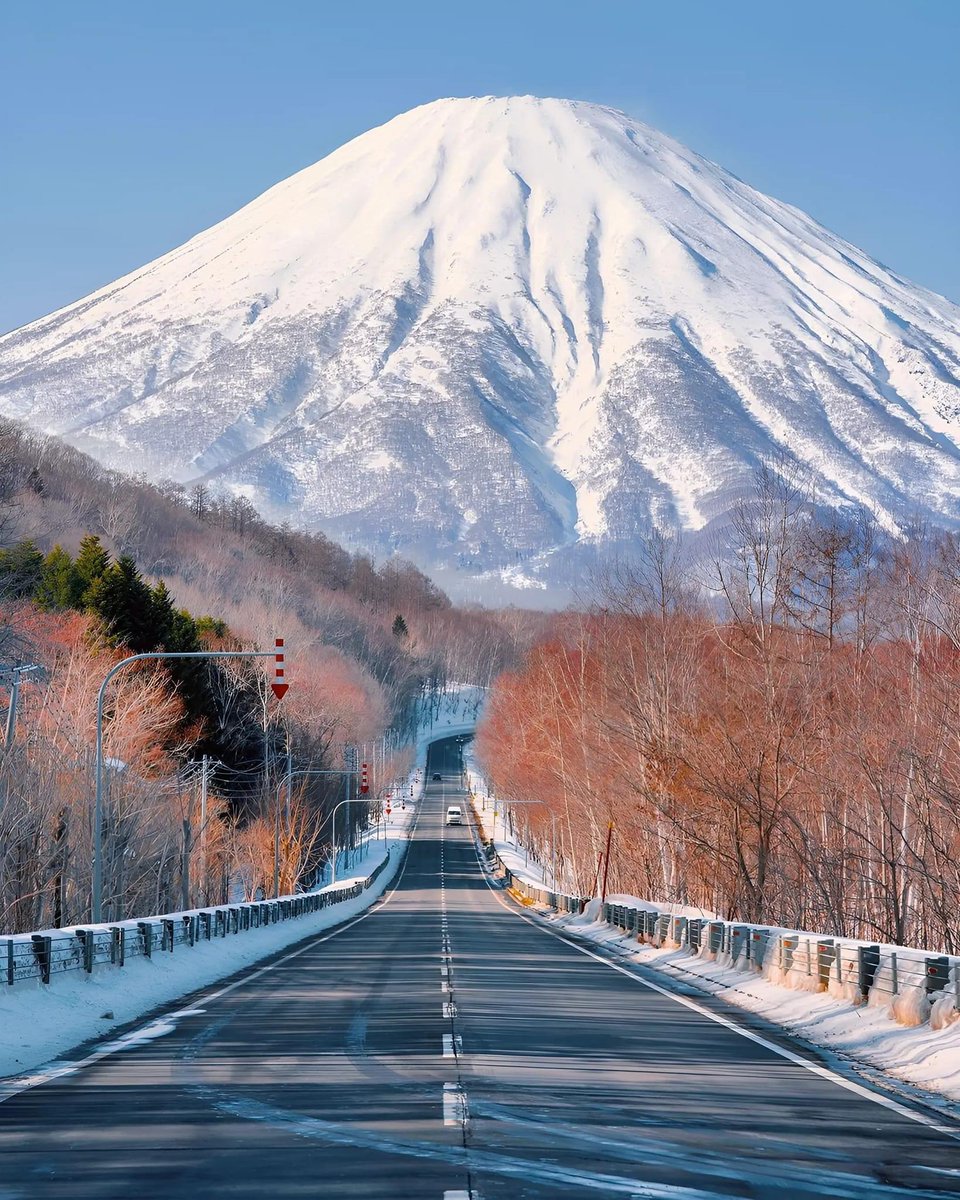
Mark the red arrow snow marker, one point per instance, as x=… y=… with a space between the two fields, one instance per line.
x=278 y=687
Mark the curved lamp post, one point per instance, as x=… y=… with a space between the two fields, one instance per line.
x=285 y=782
x=96 y=898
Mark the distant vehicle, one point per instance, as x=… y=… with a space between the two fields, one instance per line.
x=454 y=815
x=437 y=777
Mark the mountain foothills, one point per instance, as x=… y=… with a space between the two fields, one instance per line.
x=503 y=334
x=95 y=566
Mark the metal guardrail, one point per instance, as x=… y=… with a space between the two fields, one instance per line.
x=859 y=970
x=814 y=963
x=537 y=895
x=44 y=956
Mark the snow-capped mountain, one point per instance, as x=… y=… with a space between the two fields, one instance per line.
x=492 y=328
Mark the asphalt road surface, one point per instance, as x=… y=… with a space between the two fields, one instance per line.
x=447 y=1046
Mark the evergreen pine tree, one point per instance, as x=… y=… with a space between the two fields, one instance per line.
x=400 y=630
x=20 y=569
x=124 y=604
x=91 y=565
x=162 y=614
x=59 y=585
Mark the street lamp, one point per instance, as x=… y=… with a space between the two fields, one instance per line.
x=333 y=830
x=285 y=782
x=96 y=896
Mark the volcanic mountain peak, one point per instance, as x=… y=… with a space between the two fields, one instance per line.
x=497 y=327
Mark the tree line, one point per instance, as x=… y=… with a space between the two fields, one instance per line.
x=774 y=735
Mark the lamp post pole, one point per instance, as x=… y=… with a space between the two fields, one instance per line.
x=285 y=783
x=333 y=828
x=96 y=894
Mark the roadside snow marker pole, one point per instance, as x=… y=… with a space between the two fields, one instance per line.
x=606 y=863
x=279 y=686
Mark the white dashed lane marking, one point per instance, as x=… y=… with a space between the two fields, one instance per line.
x=454 y=1104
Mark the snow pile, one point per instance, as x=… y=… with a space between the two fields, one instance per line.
x=901 y=1027
x=919 y=1051
x=535 y=322
x=39 y=1022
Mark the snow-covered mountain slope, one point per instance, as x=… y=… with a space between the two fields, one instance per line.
x=496 y=327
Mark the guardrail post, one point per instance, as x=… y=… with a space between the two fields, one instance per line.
x=11 y=972
x=146 y=932
x=938 y=973
x=739 y=942
x=43 y=951
x=826 y=953
x=169 y=933
x=694 y=930
x=787 y=946
x=758 y=947
x=85 y=938
x=715 y=936
x=868 y=963
x=118 y=944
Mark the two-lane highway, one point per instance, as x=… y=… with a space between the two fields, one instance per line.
x=446 y=1045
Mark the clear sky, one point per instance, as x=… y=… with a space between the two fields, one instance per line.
x=127 y=126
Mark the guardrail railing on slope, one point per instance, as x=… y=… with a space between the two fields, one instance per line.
x=858 y=971
x=861 y=972
x=44 y=956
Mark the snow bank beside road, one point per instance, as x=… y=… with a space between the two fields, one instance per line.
x=38 y=1021
x=923 y=1056
x=904 y=1036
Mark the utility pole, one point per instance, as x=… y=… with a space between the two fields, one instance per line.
x=14 y=703
x=276 y=823
x=203 y=826
x=606 y=863
x=185 y=868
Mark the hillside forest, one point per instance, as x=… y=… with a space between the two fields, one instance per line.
x=95 y=566
x=773 y=734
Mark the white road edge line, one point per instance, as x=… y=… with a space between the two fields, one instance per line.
x=17 y=1087
x=814 y=1068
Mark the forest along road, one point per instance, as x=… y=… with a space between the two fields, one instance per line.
x=447 y=1046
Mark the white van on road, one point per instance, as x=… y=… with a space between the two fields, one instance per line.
x=454 y=815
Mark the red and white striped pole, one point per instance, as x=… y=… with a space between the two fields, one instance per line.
x=279 y=687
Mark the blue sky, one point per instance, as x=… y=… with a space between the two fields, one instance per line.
x=127 y=127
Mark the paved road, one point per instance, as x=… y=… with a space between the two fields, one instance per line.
x=447 y=1047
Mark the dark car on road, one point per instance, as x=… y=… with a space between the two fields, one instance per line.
x=437 y=777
